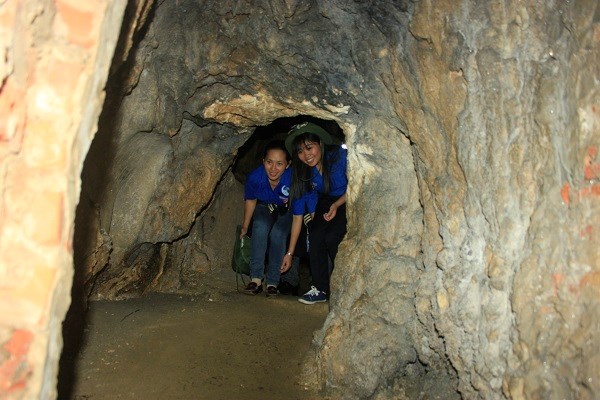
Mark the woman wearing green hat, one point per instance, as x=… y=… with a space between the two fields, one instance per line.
x=319 y=186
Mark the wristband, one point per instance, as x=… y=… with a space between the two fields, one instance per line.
x=289 y=254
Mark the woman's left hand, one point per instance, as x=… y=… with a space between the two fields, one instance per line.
x=286 y=263
x=331 y=213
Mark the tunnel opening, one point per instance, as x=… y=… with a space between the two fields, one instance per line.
x=249 y=157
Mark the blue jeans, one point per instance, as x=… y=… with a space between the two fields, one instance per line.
x=268 y=231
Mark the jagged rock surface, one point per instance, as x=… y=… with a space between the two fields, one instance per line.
x=472 y=247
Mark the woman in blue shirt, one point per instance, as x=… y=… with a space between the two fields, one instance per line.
x=266 y=195
x=319 y=186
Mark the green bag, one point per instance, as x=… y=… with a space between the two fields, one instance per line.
x=240 y=262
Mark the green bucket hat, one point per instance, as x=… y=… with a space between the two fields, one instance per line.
x=304 y=128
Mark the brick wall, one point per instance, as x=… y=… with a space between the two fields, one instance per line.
x=54 y=64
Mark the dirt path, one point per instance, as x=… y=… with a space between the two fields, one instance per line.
x=219 y=344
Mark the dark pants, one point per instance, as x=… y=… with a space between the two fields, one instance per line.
x=324 y=239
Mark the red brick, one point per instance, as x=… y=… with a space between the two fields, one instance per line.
x=15 y=371
x=587 y=231
x=60 y=75
x=12 y=115
x=39 y=214
x=44 y=146
x=18 y=345
x=27 y=302
x=591 y=169
x=43 y=219
x=7 y=13
x=590 y=191
x=79 y=23
x=564 y=193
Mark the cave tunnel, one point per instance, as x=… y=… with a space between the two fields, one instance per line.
x=182 y=265
x=162 y=182
x=470 y=265
x=420 y=267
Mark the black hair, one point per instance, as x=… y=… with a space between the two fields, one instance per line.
x=302 y=174
x=276 y=145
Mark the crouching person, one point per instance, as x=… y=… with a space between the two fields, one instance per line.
x=266 y=195
x=319 y=184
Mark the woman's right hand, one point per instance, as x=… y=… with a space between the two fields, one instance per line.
x=249 y=206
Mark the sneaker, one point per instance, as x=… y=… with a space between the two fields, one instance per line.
x=272 y=291
x=287 y=288
x=253 y=288
x=313 y=296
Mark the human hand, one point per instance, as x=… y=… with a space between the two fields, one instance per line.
x=286 y=264
x=331 y=213
x=243 y=232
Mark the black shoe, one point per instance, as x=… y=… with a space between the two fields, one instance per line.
x=287 y=288
x=253 y=288
x=272 y=291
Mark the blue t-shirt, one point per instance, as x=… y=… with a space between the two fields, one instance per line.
x=338 y=182
x=258 y=187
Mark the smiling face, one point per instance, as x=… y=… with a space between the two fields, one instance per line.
x=309 y=153
x=275 y=164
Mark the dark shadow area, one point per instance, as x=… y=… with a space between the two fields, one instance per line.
x=94 y=180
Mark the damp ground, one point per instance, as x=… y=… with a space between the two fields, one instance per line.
x=215 y=344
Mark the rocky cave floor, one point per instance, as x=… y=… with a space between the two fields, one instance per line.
x=217 y=344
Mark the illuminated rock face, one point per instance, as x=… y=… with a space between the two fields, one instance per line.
x=473 y=128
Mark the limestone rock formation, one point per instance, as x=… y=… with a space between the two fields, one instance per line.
x=473 y=127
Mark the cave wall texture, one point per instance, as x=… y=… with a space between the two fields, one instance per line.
x=473 y=130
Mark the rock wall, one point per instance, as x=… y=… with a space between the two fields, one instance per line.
x=471 y=254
